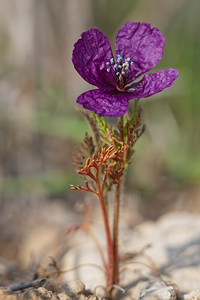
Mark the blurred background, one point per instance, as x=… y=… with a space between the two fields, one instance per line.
x=40 y=125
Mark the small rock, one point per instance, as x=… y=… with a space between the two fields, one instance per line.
x=158 y=290
x=63 y=296
x=45 y=294
x=194 y=295
x=93 y=297
x=81 y=297
x=74 y=287
x=3 y=291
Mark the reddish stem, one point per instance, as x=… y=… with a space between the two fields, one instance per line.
x=108 y=235
x=115 y=236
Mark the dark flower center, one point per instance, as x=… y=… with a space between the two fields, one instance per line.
x=120 y=71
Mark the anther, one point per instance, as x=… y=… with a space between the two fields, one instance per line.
x=117 y=73
x=119 y=58
x=123 y=73
x=127 y=59
x=112 y=60
x=115 y=66
x=108 y=70
x=107 y=63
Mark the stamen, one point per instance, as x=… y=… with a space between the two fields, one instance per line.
x=112 y=61
x=119 y=58
x=119 y=70
x=112 y=68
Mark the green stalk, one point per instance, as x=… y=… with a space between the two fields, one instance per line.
x=134 y=111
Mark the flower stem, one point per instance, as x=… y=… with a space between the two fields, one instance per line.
x=115 y=235
x=110 y=264
x=134 y=111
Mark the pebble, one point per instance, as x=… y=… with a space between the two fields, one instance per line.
x=194 y=295
x=158 y=290
x=74 y=287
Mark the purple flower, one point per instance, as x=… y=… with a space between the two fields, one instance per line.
x=138 y=49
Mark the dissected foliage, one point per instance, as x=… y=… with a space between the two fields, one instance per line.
x=85 y=150
x=108 y=152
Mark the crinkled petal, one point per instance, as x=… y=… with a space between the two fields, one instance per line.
x=90 y=55
x=105 y=103
x=142 y=44
x=153 y=83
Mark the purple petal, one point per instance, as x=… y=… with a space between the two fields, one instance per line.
x=90 y=55
x=142 y=44
x=153 y=83
x=105 y=103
